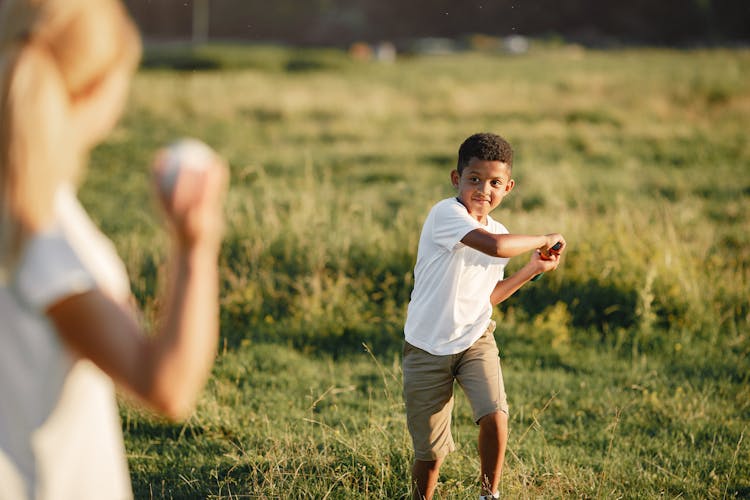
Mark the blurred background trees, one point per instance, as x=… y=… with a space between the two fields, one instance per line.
x=342 y=22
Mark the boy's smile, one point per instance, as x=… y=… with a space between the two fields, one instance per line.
x=482 y=186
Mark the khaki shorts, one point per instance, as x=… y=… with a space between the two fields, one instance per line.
x=428 y=391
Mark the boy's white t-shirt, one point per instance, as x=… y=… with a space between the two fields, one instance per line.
x=450 y=305
x=60 y=432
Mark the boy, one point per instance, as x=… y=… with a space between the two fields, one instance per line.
x=458 y=278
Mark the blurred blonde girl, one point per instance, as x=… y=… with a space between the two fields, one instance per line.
x=68 y=329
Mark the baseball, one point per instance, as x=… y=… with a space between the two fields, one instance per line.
x=183 y=154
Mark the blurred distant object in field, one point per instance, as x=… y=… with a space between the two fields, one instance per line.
x=360 y=51
x=513 y=44
x=385 y=52
x=516 y=44
x=434 y=46
x=201 y=21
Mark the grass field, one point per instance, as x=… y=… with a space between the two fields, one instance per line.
x=627 y=369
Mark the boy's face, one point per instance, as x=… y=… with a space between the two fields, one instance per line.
x=482 y=186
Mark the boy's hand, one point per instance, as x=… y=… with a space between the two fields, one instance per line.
x=549 y=255
x=553 y=247
x=542 y=264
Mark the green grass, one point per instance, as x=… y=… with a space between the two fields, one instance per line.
x=626 y=369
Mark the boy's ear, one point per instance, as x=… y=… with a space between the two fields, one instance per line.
x=455 y=177
x=509 y=186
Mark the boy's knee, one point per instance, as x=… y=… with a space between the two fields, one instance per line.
x=497 y=419
x=425 y=468
x=427 y=464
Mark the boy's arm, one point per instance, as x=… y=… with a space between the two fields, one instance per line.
x=537 y=264
x=510 y=245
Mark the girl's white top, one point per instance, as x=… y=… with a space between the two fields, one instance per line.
x=450 y=305
x=60 y=432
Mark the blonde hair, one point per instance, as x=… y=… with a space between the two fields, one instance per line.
x=53 y=53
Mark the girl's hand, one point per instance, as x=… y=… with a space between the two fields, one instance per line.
x=194 y=204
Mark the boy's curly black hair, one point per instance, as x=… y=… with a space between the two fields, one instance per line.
x=484 y=146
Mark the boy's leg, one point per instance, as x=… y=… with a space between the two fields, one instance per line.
x=424 y=475
x=428 y=394
x=493 y=437
x=481 y=378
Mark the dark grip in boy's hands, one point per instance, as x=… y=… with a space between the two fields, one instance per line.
x=554 y=247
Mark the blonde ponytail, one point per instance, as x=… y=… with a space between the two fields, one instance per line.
x=52 y=52
x=36 y=154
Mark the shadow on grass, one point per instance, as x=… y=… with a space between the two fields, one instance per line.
x=162 y=430
x=592 y=304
